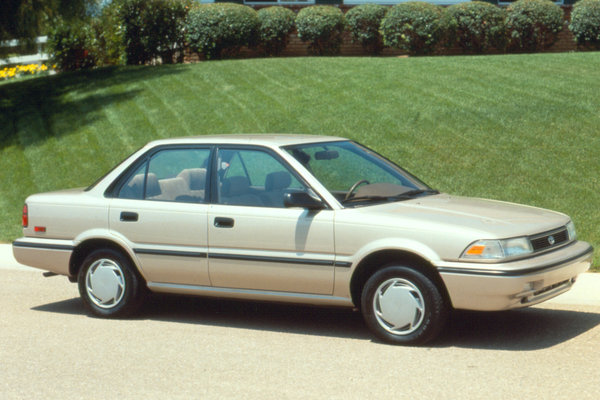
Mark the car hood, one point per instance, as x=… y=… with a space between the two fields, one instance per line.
x=497 y=219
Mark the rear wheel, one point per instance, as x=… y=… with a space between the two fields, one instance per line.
x=403 y=306
x=109 y=285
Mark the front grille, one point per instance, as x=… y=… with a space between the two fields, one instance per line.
x=549 y=240
x=552 y=287
x=548 y=292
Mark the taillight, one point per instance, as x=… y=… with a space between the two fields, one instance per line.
x=25 y=216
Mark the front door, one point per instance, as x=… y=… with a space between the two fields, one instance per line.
x=254 y=241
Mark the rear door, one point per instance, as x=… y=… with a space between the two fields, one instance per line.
x=161 y=209
x=254 y=241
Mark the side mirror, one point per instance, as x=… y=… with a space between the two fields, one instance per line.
x=302 y=200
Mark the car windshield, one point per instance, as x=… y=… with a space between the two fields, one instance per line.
x=356 y=175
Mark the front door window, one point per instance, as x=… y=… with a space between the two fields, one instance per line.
x=253 y=178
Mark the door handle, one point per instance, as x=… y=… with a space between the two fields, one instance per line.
x=223 y=222
x=127 y=216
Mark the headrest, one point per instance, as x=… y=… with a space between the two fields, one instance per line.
x=152 y=186
x=236 y=186
x=278 y=181
x=194 y=177
x=134 y=188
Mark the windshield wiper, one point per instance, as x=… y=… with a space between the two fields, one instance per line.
x=413 y=193
x=366 y=198
x=402 y=196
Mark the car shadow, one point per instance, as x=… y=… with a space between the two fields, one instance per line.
x=275 y=317
x=71 y=307
x=516 y=330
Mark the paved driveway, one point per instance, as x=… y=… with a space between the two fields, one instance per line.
x=199 y=348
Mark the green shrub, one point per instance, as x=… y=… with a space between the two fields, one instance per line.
x=585 y=23
x=413 y=26
x=212 y=29
x=276 y=23
x=109 y=43
x=69 y=45
x=474 y=26
x=152 y=28
x=363 y=22
x=322 y=27
x=533 y=25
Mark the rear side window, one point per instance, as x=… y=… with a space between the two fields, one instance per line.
x=134 y=187
x=176 y=175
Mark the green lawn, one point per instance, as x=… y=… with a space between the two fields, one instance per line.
x=523 y=128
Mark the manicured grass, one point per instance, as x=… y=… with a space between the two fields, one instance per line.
x=523 y=128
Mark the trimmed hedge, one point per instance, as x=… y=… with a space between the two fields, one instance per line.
x=143 y=31
x=533 y=25
x=276 y=24
x=363 y=22
x=585 y=23
x=215 y=29
x=413 y=26
x=475 y=26
x=322 y=27
x=152 y=28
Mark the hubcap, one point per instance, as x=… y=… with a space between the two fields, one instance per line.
x=105 y=283
x=399 y=306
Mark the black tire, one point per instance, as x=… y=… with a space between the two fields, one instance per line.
x=419 y=321
x=109 y=285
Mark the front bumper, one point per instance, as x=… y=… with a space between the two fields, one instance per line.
x=48 y=254
x=494 y=287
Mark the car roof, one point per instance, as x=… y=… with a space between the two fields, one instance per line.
x=270 y=140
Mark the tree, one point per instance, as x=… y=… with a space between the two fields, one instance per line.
x=26 y=19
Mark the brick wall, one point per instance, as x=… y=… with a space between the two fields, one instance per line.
x=296 y=48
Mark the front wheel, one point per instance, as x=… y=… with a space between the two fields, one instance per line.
x=109 y=285
x=403 y=306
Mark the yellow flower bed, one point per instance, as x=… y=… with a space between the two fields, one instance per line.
x=20 y=70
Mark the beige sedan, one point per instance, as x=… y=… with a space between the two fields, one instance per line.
x=296 y=218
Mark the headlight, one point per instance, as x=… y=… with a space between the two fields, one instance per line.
x=571 y=230
x=497 y=249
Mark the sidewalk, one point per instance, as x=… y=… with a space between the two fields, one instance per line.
x=585 y=292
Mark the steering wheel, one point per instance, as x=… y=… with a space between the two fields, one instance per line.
x=353 y=188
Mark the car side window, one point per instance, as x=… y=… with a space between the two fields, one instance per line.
x=253 y=178
x=134 y=187
x=177 y=175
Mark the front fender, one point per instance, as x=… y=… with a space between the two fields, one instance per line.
x=399 y=244
x=344 y=276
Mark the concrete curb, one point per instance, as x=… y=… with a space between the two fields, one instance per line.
x=7 y=260
x=585 y=292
